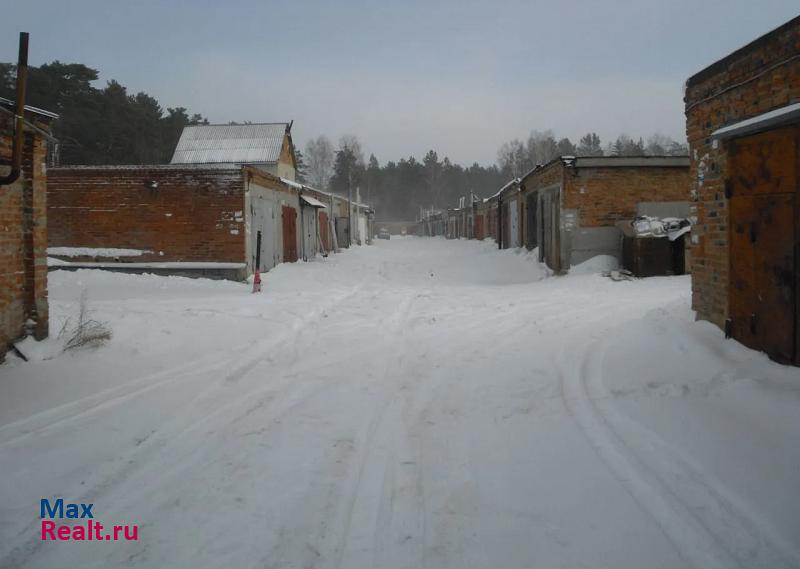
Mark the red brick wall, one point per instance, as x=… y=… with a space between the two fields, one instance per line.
x=549 y=175
x=756 y=79
x=195 y=214
x=611 y=194
x=23 y=241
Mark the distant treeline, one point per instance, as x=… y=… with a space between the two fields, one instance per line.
x=399 y=190
x=100 y=126
x=517 y=157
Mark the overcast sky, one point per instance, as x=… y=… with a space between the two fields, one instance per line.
x=461 y=77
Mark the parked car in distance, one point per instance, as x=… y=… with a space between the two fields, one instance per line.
x=383 y=233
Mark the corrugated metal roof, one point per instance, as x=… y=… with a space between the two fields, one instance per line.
x=230 y=143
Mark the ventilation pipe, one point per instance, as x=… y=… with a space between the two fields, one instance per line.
x=19 y=115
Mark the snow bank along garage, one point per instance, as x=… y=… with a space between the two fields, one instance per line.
x=743 y=126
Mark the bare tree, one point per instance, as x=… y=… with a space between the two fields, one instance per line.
x=660 y=145
x=542 y=147
x=351 y=142
x=657 y=145
x=512 y=158
x=319 y=161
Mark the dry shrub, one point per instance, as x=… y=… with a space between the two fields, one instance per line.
x=86 y=332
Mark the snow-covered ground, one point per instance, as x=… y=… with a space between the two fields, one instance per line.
x=418 y=403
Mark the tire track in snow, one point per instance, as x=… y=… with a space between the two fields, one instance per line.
x=122 y=469
x=732 y=527
x=62 y=415
x=698 y=542
x=359 y=503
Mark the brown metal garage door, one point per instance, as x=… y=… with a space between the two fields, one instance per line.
x=764 y=236
x=289 y=218
x=323 y=231
x=480 y=234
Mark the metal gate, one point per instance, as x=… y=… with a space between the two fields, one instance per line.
x=479 y=232
x=289 y=219
x=342 y=231
x=762 y=190
x=531 y=230
x=513 y=224
x=323 y=231
x=502 y=226
x=549 y=234
x=262 y=210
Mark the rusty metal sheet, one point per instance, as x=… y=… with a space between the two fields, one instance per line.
x=324 y=230
x=742 y=287
x=762 y=297
x=764 y=163
x=775 y=275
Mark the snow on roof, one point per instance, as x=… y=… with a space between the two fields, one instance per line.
x=783 y=115
x=230 y=143
x=629 y=161
x=292 y=183
x=504 y=188
x=36 y=110
x=313 y=202
x=67 y=168
x=95 y=252
x=299 y=186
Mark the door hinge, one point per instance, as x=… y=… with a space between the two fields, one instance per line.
x=728 y=188
x=753 y=324
x=728 y=328
x=753 y=232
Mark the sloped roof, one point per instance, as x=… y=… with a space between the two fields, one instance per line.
x=230 y=143
x=36 y=110
x=508 y=185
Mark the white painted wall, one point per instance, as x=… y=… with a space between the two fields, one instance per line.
x=264 y=209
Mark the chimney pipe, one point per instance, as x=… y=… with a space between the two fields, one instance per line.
x=19 y=115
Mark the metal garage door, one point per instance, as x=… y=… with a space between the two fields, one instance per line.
x=289 y=219
x=762 y=190
x=513 y=224
x=532 y=231
x=262 y=210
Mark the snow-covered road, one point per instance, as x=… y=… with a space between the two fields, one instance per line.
x=420 y=403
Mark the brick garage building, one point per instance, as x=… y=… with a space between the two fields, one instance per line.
x=743 y=126
x=181 y=217
x=570 y=207
x=23 y=230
